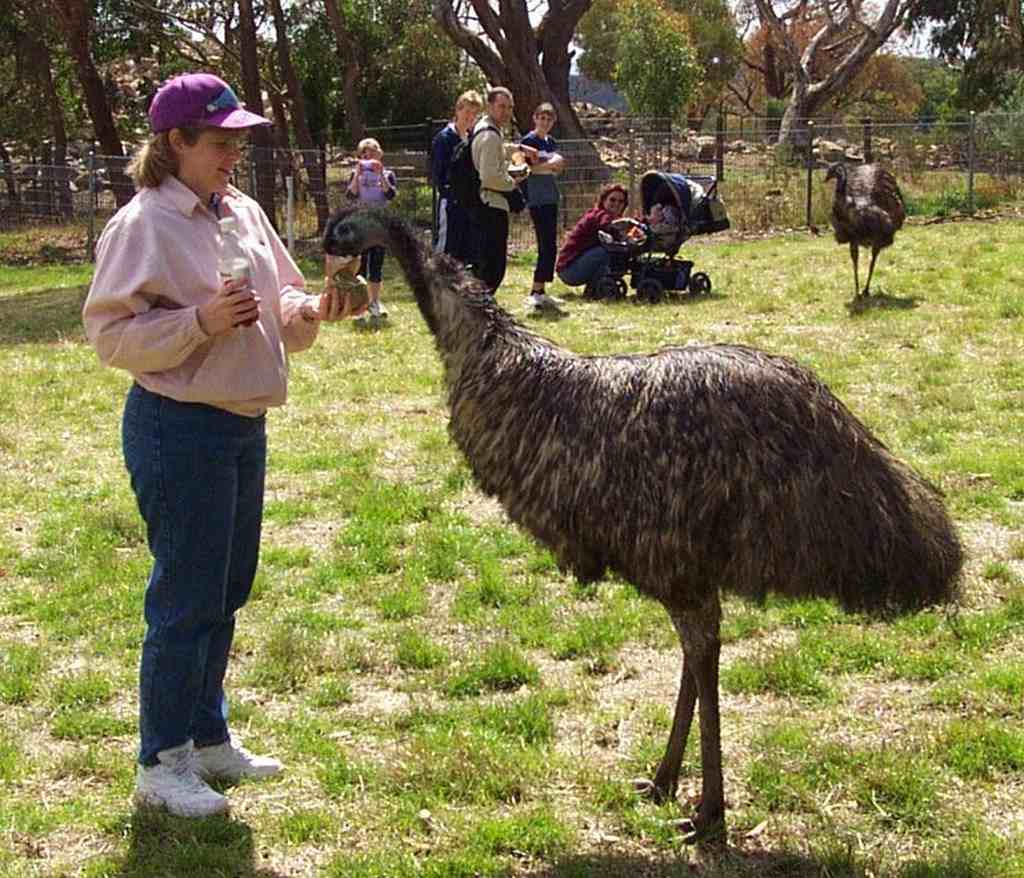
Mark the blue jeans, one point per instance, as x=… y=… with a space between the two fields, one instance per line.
x=198 y=475
x=590 y=266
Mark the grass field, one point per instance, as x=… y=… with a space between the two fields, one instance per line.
x=448 y=705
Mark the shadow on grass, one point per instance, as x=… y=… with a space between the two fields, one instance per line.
x=162 y=846
x=880 y=302
x=675 y=297
x=42 y=316
x=713 y=863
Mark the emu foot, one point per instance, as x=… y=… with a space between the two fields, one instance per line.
x=657 y=791
x=701 y=830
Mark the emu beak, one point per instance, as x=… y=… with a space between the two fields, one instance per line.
x=345 y=264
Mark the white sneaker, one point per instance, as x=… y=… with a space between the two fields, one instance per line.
x=174 y=784
x=231 y=761
x=376 y=309
x=544 y=301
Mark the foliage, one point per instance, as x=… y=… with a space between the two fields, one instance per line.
x=886 y=86
x=655 y=66
x=979 y=37
x=712 y=33
x=598 y=36
x=938 y=85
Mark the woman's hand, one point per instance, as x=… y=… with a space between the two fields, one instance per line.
x=235 y=305
x=331 y=306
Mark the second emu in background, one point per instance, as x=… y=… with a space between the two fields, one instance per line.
x=867 y=210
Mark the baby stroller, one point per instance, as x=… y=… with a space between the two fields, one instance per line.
x=693 y=202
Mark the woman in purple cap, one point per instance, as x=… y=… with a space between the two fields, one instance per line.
x=208 y=357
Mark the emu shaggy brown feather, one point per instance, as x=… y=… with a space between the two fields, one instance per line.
x=867 y=210
x=689 y=472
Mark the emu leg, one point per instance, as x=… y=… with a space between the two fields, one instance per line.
x=854 y=254
x=699 y=634
x=871 y=270
x=666 y=779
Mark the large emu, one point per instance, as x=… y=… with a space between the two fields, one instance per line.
x=867 y=209
x=689 y=472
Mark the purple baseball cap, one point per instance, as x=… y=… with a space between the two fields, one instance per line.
x=199 y=100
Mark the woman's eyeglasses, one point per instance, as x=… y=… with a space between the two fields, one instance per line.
x=230 y=144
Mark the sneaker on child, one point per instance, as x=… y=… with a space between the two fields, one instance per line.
x=231 y=761
x=173 y=783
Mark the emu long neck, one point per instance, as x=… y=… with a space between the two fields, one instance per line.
x=467 y=324
x=412 y=255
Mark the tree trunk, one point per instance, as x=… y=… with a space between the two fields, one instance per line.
x=297 y=105
x=533 y=62
x=809 y=95
x=75 y=20
x=58 y=175
x=349 y=59
x=13 y=195
x=261 y=137
x=60 y=138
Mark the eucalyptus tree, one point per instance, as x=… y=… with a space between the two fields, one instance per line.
x=297 y=103
x=656 y=66
x=982 y=38
x=848 y=32
x=531 y=59
x=712 y=33
x=75 y=20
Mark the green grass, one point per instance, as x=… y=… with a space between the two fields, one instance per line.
x=447 y=702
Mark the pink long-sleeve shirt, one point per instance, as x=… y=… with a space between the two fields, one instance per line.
x=156 y=263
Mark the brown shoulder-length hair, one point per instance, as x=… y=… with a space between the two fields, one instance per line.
x=608 y=190
x=156 y=160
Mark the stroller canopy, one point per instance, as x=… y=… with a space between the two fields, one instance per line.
x=694 y=196
x=679 y=190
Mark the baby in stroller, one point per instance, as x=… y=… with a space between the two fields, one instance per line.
x=676 y=207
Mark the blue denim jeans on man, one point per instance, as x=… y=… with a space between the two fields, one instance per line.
x=198 y=475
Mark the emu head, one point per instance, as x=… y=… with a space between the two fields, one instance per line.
x=836 y=171
x=352 y=230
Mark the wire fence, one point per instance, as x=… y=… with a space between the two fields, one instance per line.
x=765 y=185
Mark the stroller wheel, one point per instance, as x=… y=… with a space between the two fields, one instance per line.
x=608 y=288
x=700 y=284
x=650 y=290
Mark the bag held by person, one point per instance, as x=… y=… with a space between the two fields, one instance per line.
x=463 y=177
x=516 y=200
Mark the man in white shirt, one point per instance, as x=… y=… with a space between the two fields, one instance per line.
x=495 y=182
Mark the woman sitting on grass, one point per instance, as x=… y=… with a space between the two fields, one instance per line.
x=582 y=259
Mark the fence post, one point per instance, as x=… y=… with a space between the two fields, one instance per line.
x=289 y=211
x=91 y=238
x=810 y=166
x=720 y=147
x=867 y=141
x=322 y=158
x=428 y=129
x=970 y=164
x=632 y=161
